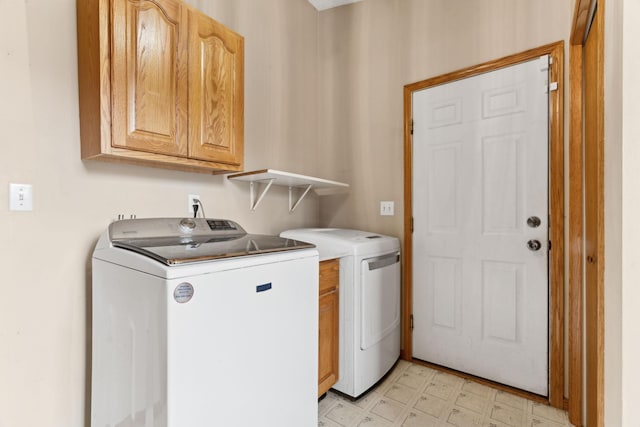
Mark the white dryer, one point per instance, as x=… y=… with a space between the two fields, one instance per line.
x=369 y=302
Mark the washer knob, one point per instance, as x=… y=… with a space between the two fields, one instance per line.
x=187 y=225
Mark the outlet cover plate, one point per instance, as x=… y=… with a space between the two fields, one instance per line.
x=191 y=197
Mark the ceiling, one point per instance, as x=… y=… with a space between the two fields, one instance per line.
x=328 y=4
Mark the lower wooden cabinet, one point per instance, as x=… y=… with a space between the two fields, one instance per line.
x=328 y=325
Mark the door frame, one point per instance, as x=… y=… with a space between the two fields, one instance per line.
x=556 y=205
x=586 y=303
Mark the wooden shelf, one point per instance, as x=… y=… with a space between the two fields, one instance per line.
x=270 y=177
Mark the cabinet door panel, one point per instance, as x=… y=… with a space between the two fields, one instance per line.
x=329 y=275
x=149 y=42
x=328 y=342
x=216 y=91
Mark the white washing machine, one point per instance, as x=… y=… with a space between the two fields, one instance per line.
x=369 y=302
x=197 y=323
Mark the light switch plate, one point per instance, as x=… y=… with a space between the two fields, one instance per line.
x=20 y=197
x=386 y=208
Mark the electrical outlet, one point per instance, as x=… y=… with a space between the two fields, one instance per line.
x=192 y=197
x=20 y=197
x=386 y=208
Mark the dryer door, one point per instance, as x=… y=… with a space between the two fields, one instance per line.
x=380 y=302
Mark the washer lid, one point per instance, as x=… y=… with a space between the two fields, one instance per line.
x=174 y=241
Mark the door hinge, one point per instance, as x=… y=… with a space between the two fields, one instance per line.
x=411 y=322
x=411 y=224
x=411 y=126
x=549 y=245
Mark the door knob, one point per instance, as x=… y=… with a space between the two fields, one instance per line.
x=533 y=221
x=534 y=245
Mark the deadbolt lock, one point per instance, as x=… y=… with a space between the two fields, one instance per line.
x=533 y=222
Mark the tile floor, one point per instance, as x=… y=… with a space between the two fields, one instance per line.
x=417 y=396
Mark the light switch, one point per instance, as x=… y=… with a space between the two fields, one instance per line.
x=20 y=197
x=386 y=208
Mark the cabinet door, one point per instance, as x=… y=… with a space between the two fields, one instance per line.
x=328 y=336
x=328 y=345
x=216 y=91
x=149 y=76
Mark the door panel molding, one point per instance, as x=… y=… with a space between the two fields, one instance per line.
x=556 y=203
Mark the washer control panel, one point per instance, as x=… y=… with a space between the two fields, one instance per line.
x=148 y=228
x=221 y=224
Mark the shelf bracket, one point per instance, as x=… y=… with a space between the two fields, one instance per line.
x=295 y=205
x=252 y=188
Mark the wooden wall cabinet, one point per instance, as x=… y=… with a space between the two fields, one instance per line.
x=328 y=344
x=160 y=84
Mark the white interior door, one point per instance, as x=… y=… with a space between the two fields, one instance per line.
x=480 y=180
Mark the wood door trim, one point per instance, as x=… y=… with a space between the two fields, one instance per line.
x=576 y=226
x=556 y=205
x=556 y=232
x=581 y=17
x=577 y=330
x=594 y=224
